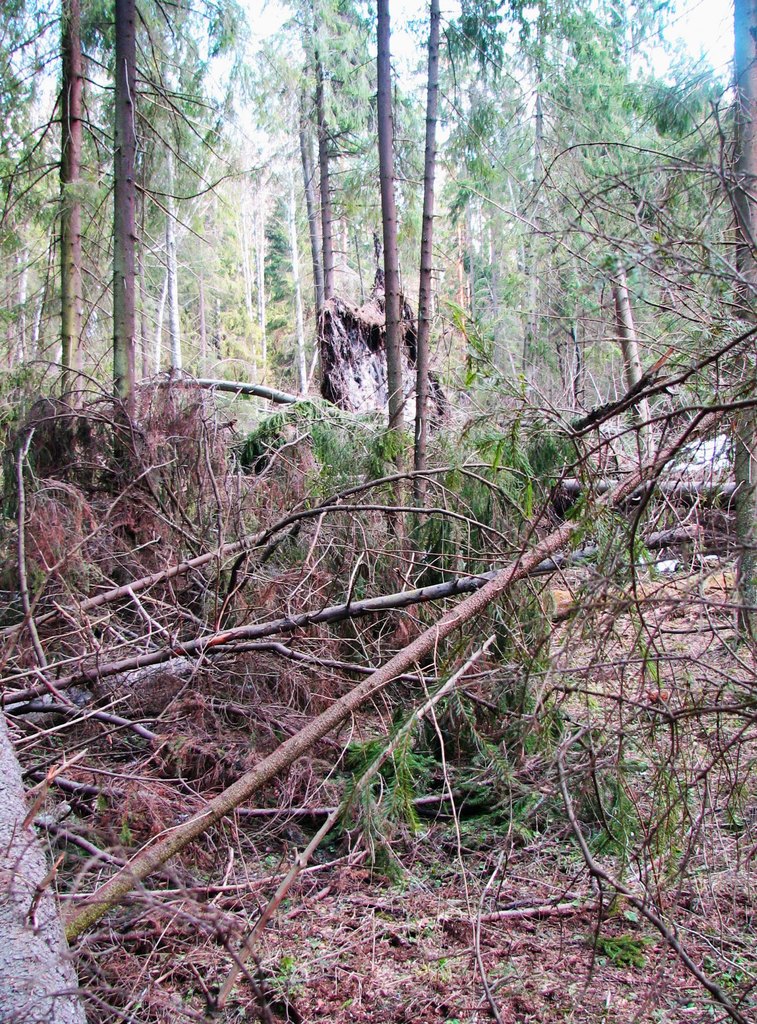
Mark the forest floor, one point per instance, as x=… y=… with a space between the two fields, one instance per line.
x=464 y=905
x=567 y=827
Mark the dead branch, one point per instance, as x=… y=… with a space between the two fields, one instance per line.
x=151 y=857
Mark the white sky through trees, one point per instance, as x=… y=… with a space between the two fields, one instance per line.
x=702 y=27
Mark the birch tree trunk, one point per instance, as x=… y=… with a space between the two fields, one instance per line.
x=39 y=984
x=159 y=315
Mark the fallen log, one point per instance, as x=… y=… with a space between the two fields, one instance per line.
x=154 y=856
x=567 y=491
x=238 y=387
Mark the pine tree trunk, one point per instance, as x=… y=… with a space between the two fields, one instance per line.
x=308 y=177
x=427 y=242
x=39 y=984
x=745 y=430
x=389 y=220
x=70 y=213
x=124 y=203
x=174 y=324
x=327 y=213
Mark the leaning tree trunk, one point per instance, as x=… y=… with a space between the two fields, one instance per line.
x=427 y=242
x=745 y=66
x=389 y=221
x=124 y=203
x=70 y=214
x=38 y=984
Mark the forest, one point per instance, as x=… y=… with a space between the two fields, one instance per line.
x=378 y=547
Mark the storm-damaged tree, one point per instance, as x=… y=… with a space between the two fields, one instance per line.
x=124 y=203
x=745 y=206
x=389 y=221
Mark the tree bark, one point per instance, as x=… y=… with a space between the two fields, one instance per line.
x=159 y=317
x=629 y=345
x=124 y=203
x=389 y=221
x=39 y=985
x=203 y=324
x=70 y=213
x=258 y=226
x=427 y=252
x=172 y=271
x=299 y=319
x=310 y=204
x=745 y=428
x=327 y=212
x=248 y=282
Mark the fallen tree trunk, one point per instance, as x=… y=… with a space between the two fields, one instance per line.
x=39 y=985
x=571 y=488
x=236 y=387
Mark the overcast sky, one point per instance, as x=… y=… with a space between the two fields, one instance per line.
x=704 y=26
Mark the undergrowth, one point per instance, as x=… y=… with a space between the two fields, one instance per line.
x=637 y=703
